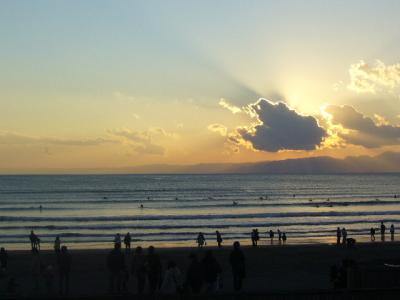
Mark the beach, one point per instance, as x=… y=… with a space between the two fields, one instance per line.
x=270 y=268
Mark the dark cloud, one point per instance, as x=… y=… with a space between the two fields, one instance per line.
x=281 y=128
x=362 y=130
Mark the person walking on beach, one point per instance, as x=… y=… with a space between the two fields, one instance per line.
x=172 y=282
x=271 y=236
x=238 y=266
x=194 y=274
x=116 y=267
x=284 y=237
x=338 y=235
x=383 y=229
x=372 y=234
x=201 y=240
x=127 y=242
x=64 y=268
x=57 y=245
x=138 y=269
x=35 y=241
x=344 y=236
x=392 y=232
x=3 y=260
x=117 y=239
x=212 y=271
x=219 y=238
x=154 y=268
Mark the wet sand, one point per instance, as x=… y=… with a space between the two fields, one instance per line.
x=277 y=268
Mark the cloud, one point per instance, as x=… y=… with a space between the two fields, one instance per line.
x=280 y=128
x=369 y=79
x=361 y=130
x=141 y=141
x=218 y=128
x=11 y=138
x=225 y=104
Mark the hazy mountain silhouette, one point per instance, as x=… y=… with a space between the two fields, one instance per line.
x=386 y=162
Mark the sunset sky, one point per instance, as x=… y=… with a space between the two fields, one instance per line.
x=112 y=84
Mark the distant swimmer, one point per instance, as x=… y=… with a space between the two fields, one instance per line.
x=234 y=203
x=261 y=198
x=176 y=198
x=40 y=208
x=310 y=200
x=105 y=197
x=328 y=199
x=148 y=198
x=294 y=195
x=141 y=206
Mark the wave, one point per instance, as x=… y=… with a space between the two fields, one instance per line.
x=197 y=217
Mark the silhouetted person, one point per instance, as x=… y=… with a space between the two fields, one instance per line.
x=255 y=237
x=201 y=240
x=138 y=269
x=372 y=233
x=117 y=239
x=154 y=268
x=36 y=268
x=271 y=236
x=116 y=267
x=344 y=235
x=64 y=268
x=194 y=274
x=35 y=241
x=127 y=241
x=238 y=265
x=212 y=270
x=172 y=281
x=284 y=237
x=219 y=238
x=279 y=236
x=338 y=235
x=3 y=259
x=57 y=245
x=392 y=232
x=383 y=229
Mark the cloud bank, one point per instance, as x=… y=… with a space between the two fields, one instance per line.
x=280 y=128
x=362 y=130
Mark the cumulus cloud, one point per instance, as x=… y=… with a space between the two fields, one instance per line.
x=362 y=130
x=218 y=128
x=11 y=138
x=280 y=128
x=365 y=78
x=141 y=141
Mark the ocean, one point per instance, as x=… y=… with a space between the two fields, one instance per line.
x=88 y=210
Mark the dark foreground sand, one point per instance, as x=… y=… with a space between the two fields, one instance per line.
x=271 y=270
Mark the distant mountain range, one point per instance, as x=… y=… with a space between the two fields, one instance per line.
x=386 y=162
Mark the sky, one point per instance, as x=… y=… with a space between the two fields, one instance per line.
x=113 y=84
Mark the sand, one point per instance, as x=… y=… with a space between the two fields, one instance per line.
x=278 y=268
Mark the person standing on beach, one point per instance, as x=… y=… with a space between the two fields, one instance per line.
x=116 y=267
x=271 y=236
x=212 y=271
x=117 y=239
x=194 y=275
x=35 y=241
x=138 y=269
x=3 y=259
x=127 y=242
x=201 y=240
x=57 y=245
x=219 y=238
x=284 y=237
x=344 y=236
x=238 y=265
x=372 y=233
x=338 y=235
x=154 y=268
x=64 y=268
x=279 y=236
x=383 y=229
x=392 y=232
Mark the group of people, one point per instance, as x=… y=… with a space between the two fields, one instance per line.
x=255 y=236
x=147 y=271
x=341 y=234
